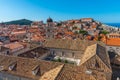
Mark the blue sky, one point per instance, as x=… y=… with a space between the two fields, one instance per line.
x=101 y=10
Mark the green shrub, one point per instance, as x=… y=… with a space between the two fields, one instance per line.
x=83 y=32
x=59 y=60
x=66 y=61
x=104 y=32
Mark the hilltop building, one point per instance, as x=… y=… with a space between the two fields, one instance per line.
x=86 y=20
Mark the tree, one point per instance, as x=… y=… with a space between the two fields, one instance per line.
x=75 y=27
x=66 y=61
x=99 y=38
x=83 y=32
x=104 y=32
x=59 y=60
x=76 y=32
x=59 y=24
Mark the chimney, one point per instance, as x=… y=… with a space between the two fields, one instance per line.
x=1 y=68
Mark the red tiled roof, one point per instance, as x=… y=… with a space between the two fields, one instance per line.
x=113 y=41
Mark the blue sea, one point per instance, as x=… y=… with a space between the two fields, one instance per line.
x=114 y=24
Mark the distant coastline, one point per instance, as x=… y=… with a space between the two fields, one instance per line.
x=114 y=24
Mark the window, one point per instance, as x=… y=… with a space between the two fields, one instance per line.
x=48 y=30
x=36 y=70
x=53 y=52
x=7 y=52
x=111 y=49
x=117 y=49
x=63 y=53
x=73 y=54
x=97 y=65
x=12 y=66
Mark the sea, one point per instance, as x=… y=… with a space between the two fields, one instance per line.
x=114 y=24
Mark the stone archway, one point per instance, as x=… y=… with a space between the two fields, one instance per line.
x=111 y=49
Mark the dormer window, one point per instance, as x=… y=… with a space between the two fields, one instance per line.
x=97 y=65
x=1 y=68
x=36 y=70
x=12 y=66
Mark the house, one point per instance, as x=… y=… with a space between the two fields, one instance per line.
x=91 y=54
x=113 y=43
x=4 y=50
x=4 y=39
x=19 y=35
x=37 y=23
x=14 y=47
x=37 y=53
x=86 y=20
x=19 y=68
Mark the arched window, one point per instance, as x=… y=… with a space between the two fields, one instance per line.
x=117 y=49
x=111 y=49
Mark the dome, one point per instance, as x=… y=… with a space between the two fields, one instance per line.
x=49 y=20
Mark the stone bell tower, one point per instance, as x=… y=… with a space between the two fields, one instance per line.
x=49 y=28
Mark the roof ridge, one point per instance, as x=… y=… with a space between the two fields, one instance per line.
x=107 y=64
x=25 y=58
x=52 y=74
x=60 y=71
x=88 y=50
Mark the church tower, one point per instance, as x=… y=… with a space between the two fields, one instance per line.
x=50 y=28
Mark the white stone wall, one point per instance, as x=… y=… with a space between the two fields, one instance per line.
x=76 y=61
x=67 y=53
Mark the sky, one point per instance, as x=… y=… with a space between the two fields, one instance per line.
x=107 y=11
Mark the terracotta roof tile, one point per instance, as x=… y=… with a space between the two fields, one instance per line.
x=113 y=41
x=13 y=45
x=68 y=44
x=25 y=66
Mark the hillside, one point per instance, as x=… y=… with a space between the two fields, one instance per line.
x=20 y=22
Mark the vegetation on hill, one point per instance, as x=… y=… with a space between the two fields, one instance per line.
x=20 y=22
x=104 y=32
x=83 y=32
